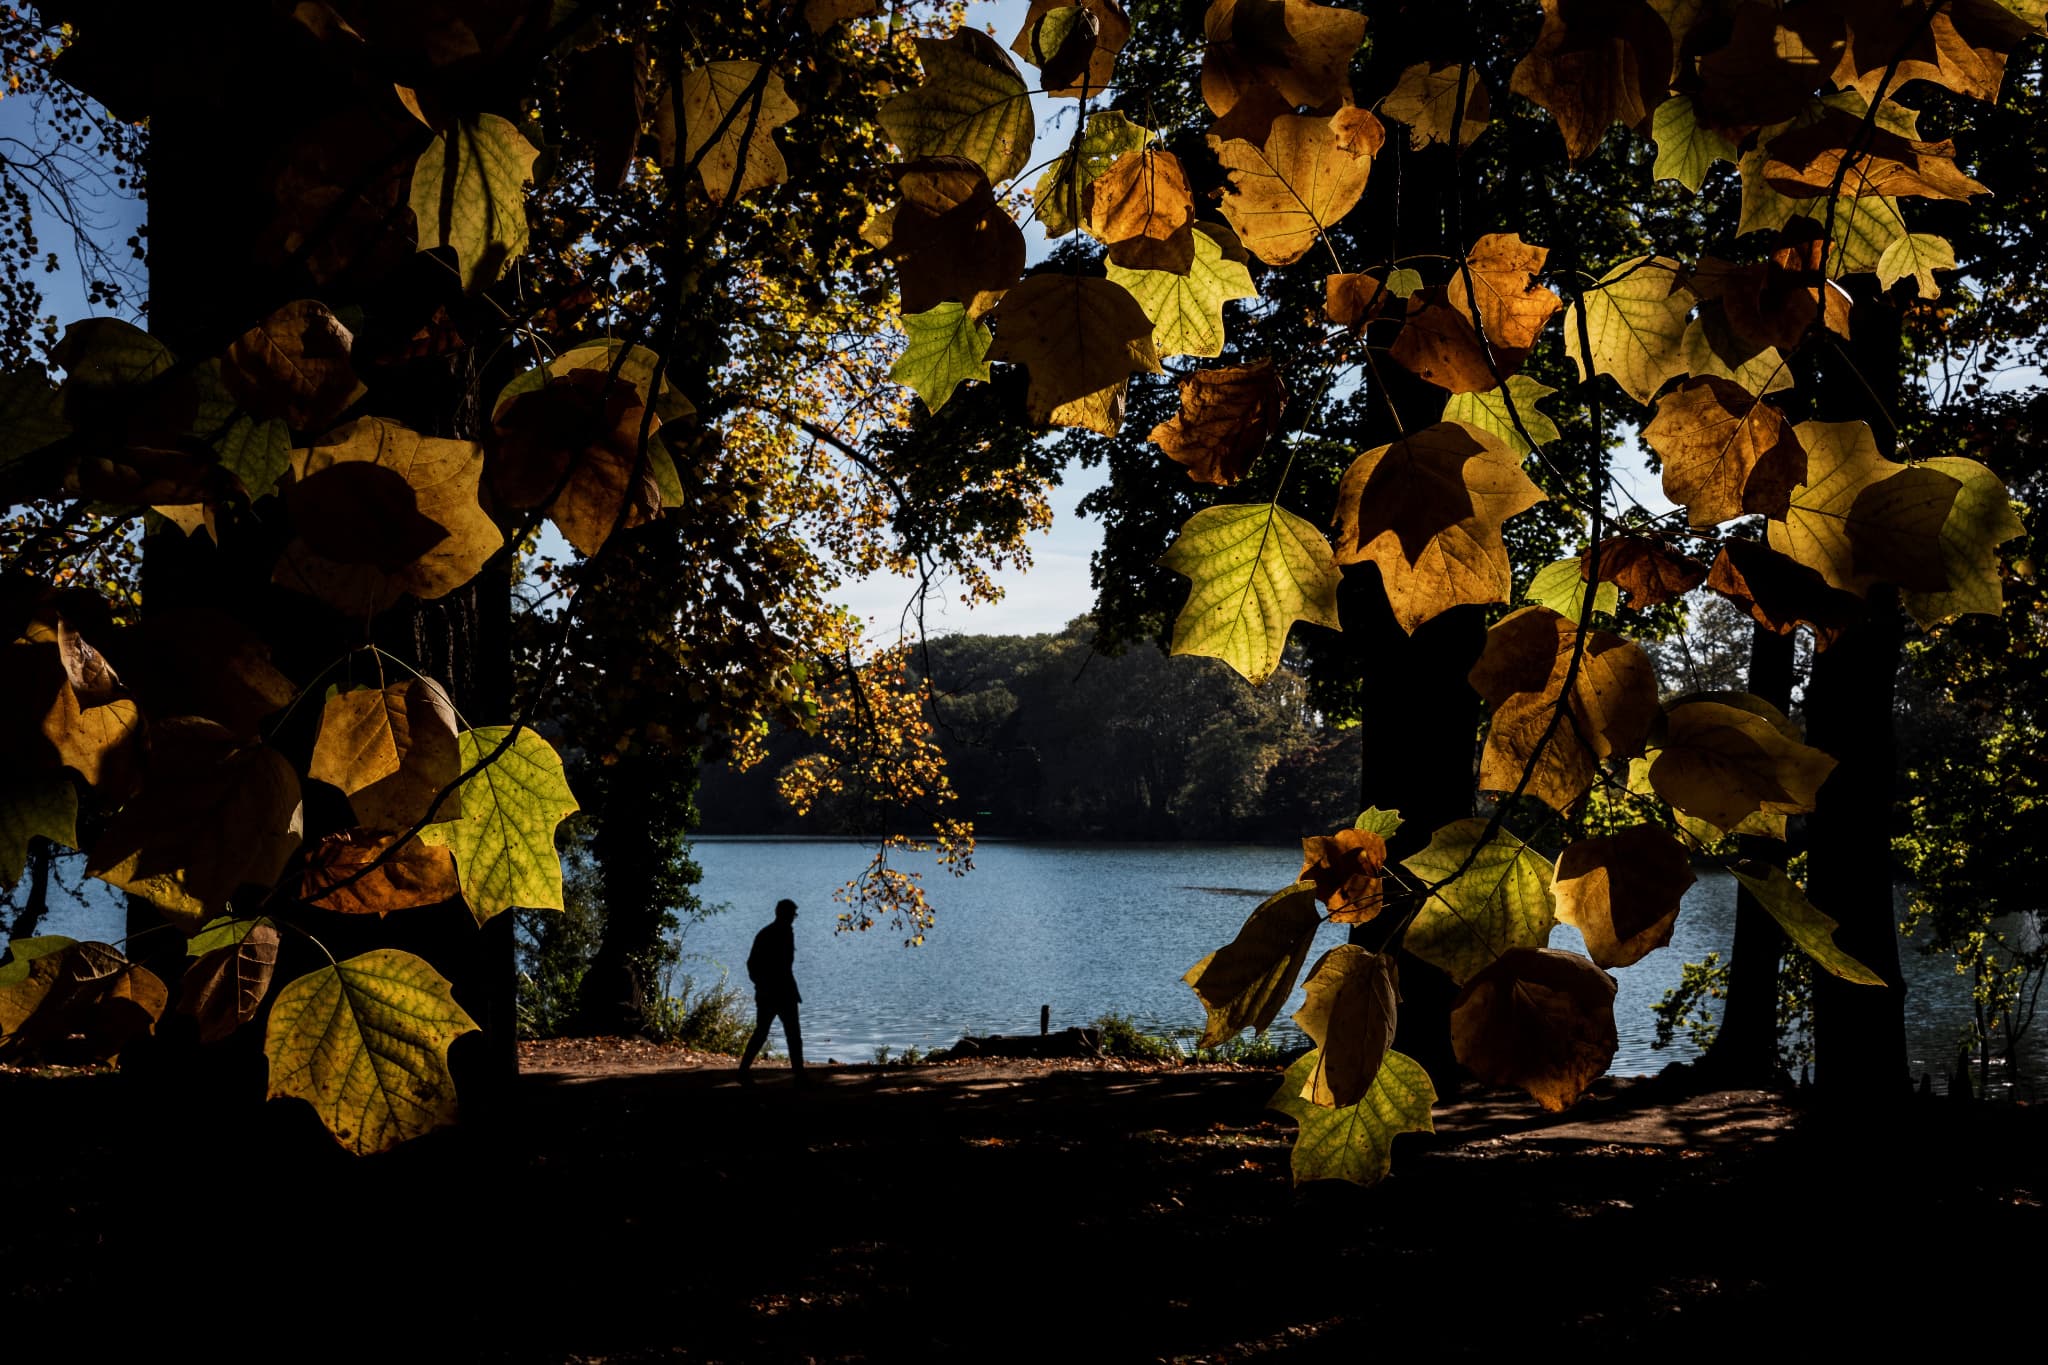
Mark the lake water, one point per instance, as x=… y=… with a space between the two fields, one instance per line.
x=1093 y=928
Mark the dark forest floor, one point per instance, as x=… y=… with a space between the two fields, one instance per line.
x=632 y=1203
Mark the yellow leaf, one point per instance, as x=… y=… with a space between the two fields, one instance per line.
x=1623 y=892
x=1081 y=338
x=1309 y=173
x=1723 y=762
x=390 y=751
x=1255 y=570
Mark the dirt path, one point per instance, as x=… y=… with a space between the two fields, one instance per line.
x=635 y=1203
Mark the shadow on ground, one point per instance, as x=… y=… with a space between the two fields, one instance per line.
x=965 y=1214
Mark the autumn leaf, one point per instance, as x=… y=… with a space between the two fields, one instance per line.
x=1981 y=519
x=1302 y=50
x=1859 y=518
x=1355 y=1144
x=1723 y=762
x=1807 y=926
x=1779 y=592
x=1635 y=318
x=1428 y=509
x=442 y=477
x=1436 y=344
x=1562 y=588
x=1349 y=1010
x=1255 y=569
x=1503 y=295
x=821 y=15
x=200 y=661
x=1622 y=892
x=1594 y=64
x=69 y=708
x=951 y=241
x=1649 y=571
x=1961 y=46
x=215 y=815
x=1381 y=822
x=1308 y=173
x=504 y=844
x=1187 y=309
x=1725 y=452
x=947 y=348
x=357 y=872
x=1226 y=417
x=972 y=103
x=1081 y=339
x=365 y=1042
x=34 y=805
x=634 y=365
x=1803 y=162
x=391 y=751
x=1768 y=67
x=69 y=1001
x=1501 y=901
x=1521 y=674
x=1686 y=147
x=1539 y=1019
x=224 y=988
x=294 y=365
x=580 y=447
x=1345 y=869
x=468 y=194
x=1356 y=301
x=1918 y=254
x=1495 y=412
x=740 y=107
x=1061 y=74
x=1060 y=198
x=1141 y=201
x=1426 y=99
x=1244 y=983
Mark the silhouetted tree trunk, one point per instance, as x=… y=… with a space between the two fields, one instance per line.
x=41 y=854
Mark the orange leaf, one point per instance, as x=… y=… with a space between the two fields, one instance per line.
x=1226 y=416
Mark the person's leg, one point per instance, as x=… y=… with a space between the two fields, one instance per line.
x=763 y=1017
x=794 y=1035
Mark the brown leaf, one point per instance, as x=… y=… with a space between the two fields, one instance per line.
x=1649 y=571
x=1437 y=344
x=391 y=751
x=1725 y=451
x=1243 y=984
x=1764 y=303
x=1301 y=50
x=1112 y=31
x=1226 y=417
x=362 y=513
x=1802 y=162
x=1427 y=509
x=1508 y=303
x=1771 y=65
x=224 y=988
x=1081 y=338
x=1622 y=892
x=1349 y=1012
x=65 y=706
x=200 y=661
x=1144 y=194
x=1781 y=593
x=1725 y=759
x=1539 y=1019
x=83 y=1002
x=1345 y=868
x=951 y=241
x=1596 y=62
x=1355 y=300
x=575 y=446
x=1426 y=99
x=417 y=875
x=295 y=365
x=1963 y=46
x=1521 y=674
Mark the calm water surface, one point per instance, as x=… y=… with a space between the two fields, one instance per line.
x=1093 y=928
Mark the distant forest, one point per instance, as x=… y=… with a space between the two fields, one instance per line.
x=1045 y=737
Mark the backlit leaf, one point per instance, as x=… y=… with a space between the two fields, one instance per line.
x=1226 y=417
x=1081 y=339
x=1060 y=197
x=1859 y=517
x=365 y=1042
x=972 y=103
x=1562 y=588
x=294 y=365
x=1501 y=901
x=1489 y=411
x=1300 y=49
x=357 y=872
x=1779 y=592
x=1686 y=148
x=1142 y=197
x=390 y=750
x=504 y=844
x=1918 y=254
x=224 y=988
x=951 y=241
x=1060 y=74
x=1381 y=822
x=947 y=348
x=1244 y=983
x=1725 y=452
x=468 y=194
x=1812 y=930
x=1187 y=309
x=1357 y=1143
x=1539 y=1019
x=1981 y=520
x=1804 y=161
x=581 y=446
x=65 y=1001
x=749 y=107
x=1255 y=570
x=1349 y=1013
x=1722 y=762
x=1594 y=65
x=1345 y=870
x=1648 y=570
x=1635 y=320
x=33 y=804
x=1622 y=892
x=1426 y=99
x=1307 y=174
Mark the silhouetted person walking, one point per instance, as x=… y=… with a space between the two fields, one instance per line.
x=772 y=965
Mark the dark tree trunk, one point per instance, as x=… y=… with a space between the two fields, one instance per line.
x=1745 y=1051
x=644 y=815
x=41 y=855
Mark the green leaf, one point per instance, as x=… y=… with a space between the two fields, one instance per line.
x=107 y=353
x=1489 y=412
x=947 y=347
x=972 y=103
x=365 y=1042
x=1501 y=901
x=1686 y=148
x=1403 y=282
x=31 y=416
x=1635 y=318
x=33 y=804
x=504 y=844
x=1244 y=983
x=1256 y=569
x=1060 y=197
x=1380 y=822
x=1562 y=588
x=256 y=451
x=21 y=957
x=1803 y=922
x=223 y=932
x=468 y=193
x=1981 y=520
x=1355 y=1144
x=1187 y=310
x=1918 y=254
